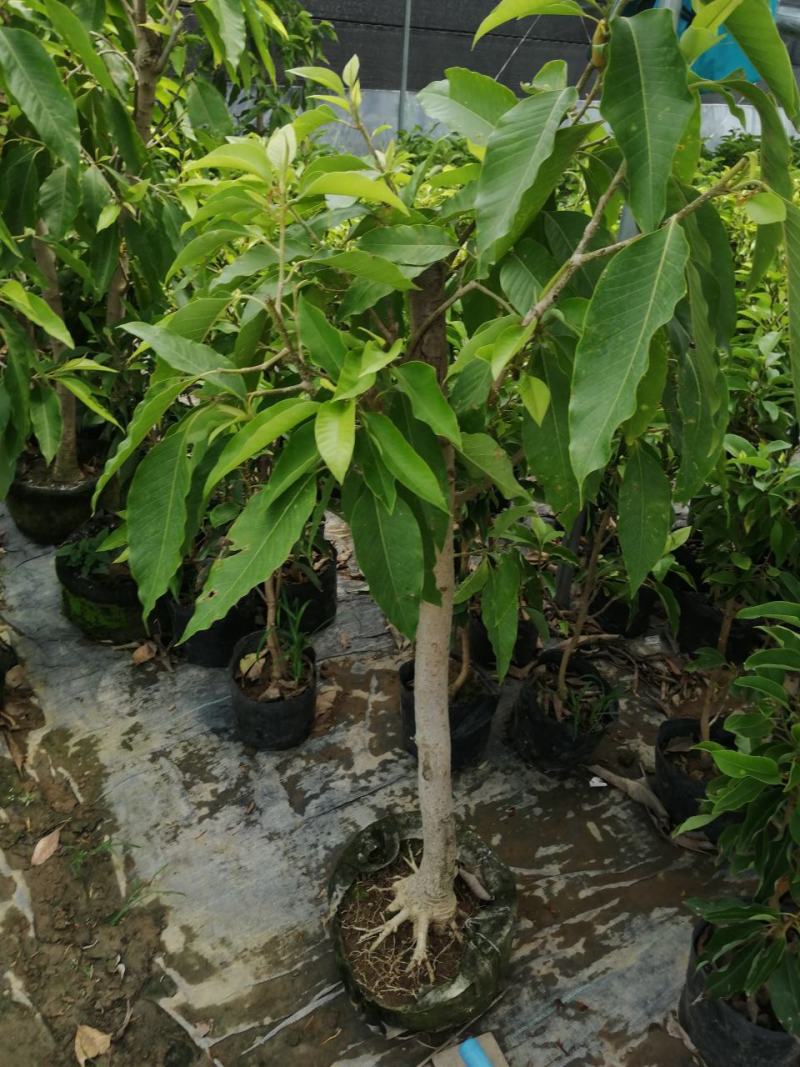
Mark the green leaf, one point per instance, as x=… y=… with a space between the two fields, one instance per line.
x=473 y=583
x=524 y=272
x=645 y=513
x=486 y=454
x=46 y=420
x=409 y=468
x=535 y=395
x=59 y=199
x=257 y=435
x=335 y=431
x=248 y=156
x=636 y=294
x=388 y=547
x=322 y=76
x=108 y=216
x=647 y=103
x=365 y=265
x=522 y=141
x=356 y=185
x=469 y=103
x=231 y=26
x=520 y=9
x=703 y=31
x=784 y=993
x=36 y=310
x=83 y=393
x=500 y=610
x=261 y=540
x=418 y=381
x=650 y=391
x=208 y=113
x=416 y=246
x=547 y=446
x=147 y=414
x=741 y=765
x=196 y=318
x=783 y=659
x=33 y=80
x=298 y=456
x=325 y=344
x=753 y=27
x=124 y=135
x=75 y=36
x=256 y=27
x=764 y=208
x=187 y=356
x=202 y=249
x=791 y=230
x=785 y=610
x=156 y=512
x=378 y=477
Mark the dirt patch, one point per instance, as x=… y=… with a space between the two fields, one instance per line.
x=79 y=932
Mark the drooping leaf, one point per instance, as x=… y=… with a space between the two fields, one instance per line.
x=650 y=391
x=636 y=294
x=202 y=248
x=260 y=542
x=75 y=36
x=366 y=265
x=645 y=513
x=35 y=83
x=483 y=452
x=59 y=198
x=507 y=10
x=335 y=431
x=418 y=381
x=753 y=27
x=524 y=271
x=36 y=310
x=248 y=156
x=647 y=103
x=469 y=103
x=187 y=356
x=547 y=446
x=231 y=27
x=521 y=142
x=784 y=993
x=417 y=245
x=535 y=395
x=81 y=390
x=500 y=609
x=791 y=229
x=409 y=468
x=324 y=343
x=376 y=474
x=356 y=185
x=46 y=420
x=388 y=547
x=208 y=113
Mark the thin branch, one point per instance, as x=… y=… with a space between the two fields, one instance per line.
x=470 y=287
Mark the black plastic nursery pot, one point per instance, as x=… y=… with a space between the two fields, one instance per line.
x=482 y=653
x=104 y=607
x=470 y=717
x=487 y=936
x=48 y=514
x=212 y=647
x=700 y=624
x=614 y=616
x=539 y=738
x=722 y=1035
x=318 y=602
x=678 y=791
x=271 y=724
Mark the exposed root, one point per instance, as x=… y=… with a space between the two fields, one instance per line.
x=411 y=906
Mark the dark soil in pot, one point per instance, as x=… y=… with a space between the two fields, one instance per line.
x=681 y=776
x=700 y=624
x=101 y=600
x=278 y=723
x=482 y=653
x=317 y=595
x=45 y=512
x=614 y=615
x=471 y=713
x=724 y=1035
x=466 y=975
x=535 y=731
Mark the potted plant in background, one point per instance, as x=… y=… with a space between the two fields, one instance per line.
x=744 y=969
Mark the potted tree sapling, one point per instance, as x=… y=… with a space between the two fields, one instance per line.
x=740 y=1004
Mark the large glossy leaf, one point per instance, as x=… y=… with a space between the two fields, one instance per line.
x=636 y=294
x=80 y=390
x=409 y=468
x=500 y=609
x=231 y=26
x=59 y=198
x=33 y=80
x=418 y=381
x=187 y=356
x=362 y=264
x=248 y=156
x=260 y=542
x=483 y=452
x=46 y=420
x=36 y=310
x=157 y=515
x=202 y=248
x=75 y=36
x=507 y=10
x=752 y=24
x=335 y=431
x=324 y=343
x=791 y=228
x=299 y=456
x=411 y=245
x=524 y=271
x=356 y=185
x=522 y=141
x=469 y=103
x=258 y=434
x=647 y=103
x=547 y=446
x=376 y=474
x=208 y=113
x=645 y=513
x=784 y=993
x=388 y=547
x=147 y=414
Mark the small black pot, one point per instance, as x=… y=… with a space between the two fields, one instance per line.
x=680 y=794
x=482 y=653
x=700 y=624
x=103 y=608
x=319 y=602
x=487 y=936
x=615 y=617
x=470 y=719
x=271 y=724
x=48 y=514
x=541 y=739
x=722 y=1035
x=212 y=647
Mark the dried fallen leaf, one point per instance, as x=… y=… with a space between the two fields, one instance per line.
x=16 y=753
x=636 y=789
x=45 y=847
x=128 y=1013
x=90 y=1043
x=326 y=698
x=202 y=1028
x=251 y=807
x=144 y=653
x=16 y=676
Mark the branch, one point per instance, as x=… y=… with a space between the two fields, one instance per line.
x=470 y=287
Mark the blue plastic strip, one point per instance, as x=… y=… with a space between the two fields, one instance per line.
x=473 y=1055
